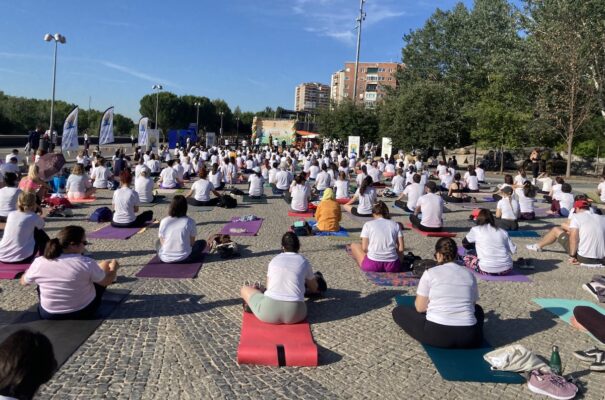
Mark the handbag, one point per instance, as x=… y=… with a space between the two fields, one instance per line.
x=514 y=358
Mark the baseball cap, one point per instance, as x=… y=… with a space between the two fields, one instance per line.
x=256 y=169
x=581 y=204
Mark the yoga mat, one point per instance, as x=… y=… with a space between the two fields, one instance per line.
x=251 y=228
x=66 y=336
x=12 y=271
x=523 y=234
x=431 y=234
x=300 y=215
x=513 y=276
x=109 y=232
x=399 y=208
x=262 y=200
x=276 y=345
x=157 y=269
x=88 y=200
x=362 y=220
x=464 y=365
x=392 y=278
x=341 y=232
x=342 y=201
x=170 y=191
x=563 y=308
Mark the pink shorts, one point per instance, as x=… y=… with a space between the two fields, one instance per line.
x=380 y=266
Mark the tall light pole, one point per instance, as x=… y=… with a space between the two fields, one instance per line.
x=221 y=113
x=197 y=104
x=237 y=126
x=58 y=38
x=157 y=102
x=360 y=19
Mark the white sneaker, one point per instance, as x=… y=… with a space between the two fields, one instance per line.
x=590 y=289
x=533 y=247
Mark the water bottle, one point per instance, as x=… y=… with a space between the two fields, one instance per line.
x=555 y=361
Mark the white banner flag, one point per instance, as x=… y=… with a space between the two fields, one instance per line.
x=69 y=141
x=143 y=139
x=354 y=142
x=106 y=128
x=387 y=147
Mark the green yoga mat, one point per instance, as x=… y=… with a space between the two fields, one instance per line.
x=563 y=308
x=463 y=365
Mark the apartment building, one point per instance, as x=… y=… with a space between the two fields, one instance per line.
x=372 y=79
x=311 y=96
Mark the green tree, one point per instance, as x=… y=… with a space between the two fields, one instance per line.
x=348 y=119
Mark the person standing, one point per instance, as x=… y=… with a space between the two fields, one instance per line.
x=33 y=139
x=86 y=141
x=534 y=157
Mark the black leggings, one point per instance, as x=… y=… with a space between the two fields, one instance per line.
x=452 y=199
x=415 y=221
x=196 y=203
x=507 y=224
x=139 y=222
x=357 y=214
x=196 y=255
x=403 y=206
x=85 y=313
x=592 y=320
x=426 y=332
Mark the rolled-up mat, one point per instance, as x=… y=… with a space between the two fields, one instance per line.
x=431 y=234
x=157 y=269
x=300 y=214
x=110 y=232
x=12 y=271
x=66 y=336
x=463 y=365
x=341 y=232
x=523 y=234
x=276 y=345
x=242 y=228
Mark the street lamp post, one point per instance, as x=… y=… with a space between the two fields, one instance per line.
x=157 y=102
x=58 y=38
x=197 y=104
x=360 y=19
x=237 y=126
x=222 y=113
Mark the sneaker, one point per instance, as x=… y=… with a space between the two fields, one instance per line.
x=599 y=364
x=589 y=287
x=533 y=247
x=589 y=355
x=551 y=385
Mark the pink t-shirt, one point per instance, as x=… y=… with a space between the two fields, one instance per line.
x=66 y=283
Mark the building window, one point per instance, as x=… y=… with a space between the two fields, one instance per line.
x=371 y=87
x=372 y=70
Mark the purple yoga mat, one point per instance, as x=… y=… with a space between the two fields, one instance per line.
x=109 y=232
x=157 y=269
x=251 y=227
x=513 y=276
x=11 y=271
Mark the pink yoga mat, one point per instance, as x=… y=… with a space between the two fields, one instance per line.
x=109 y=232
x=85 y=200
x=251 y=228
x=12 y=271
x=300 y=215
x=157 y=269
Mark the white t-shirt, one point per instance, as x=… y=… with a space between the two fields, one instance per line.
x=272 y=175
x=283 y=180
x=8 y=200
x=494 y=248
x=472 y=182
x=452 y=292
x=526 y=204
x=592 y=234
x=383 y=235
x=153 y=165
x=176 y=234
x=124 y=201
x=509 y=208
x=431 y=207
x=313 y=171
x=601 y=188
x=77 y=184
x=256 y=185
x=144 y=188
x=413 y=192
x=286 y=275
x=519 y=180
x=366 y=200
x=398 y=183
x=18 y=242
x=202 y=189
x=566 y=201
x=168 y=177
x=100 y=175
x=546 y=183
x=359 y=178
x=480 y=174
x=322 y=181
x=375 y=174
x=342 y=189
x=300 y=197
x=216 y=179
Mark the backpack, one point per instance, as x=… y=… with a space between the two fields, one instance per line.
x=302 y=228
x=101 y=214
x=419 y=266
x=237 y=192
x=224 y=246
x=227 y=201
x=55 y=201
x=408 y=261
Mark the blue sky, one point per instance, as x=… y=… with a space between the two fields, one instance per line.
x=252 y=53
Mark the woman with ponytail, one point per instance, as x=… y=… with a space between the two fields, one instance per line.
x=366 y=194
x=445 y=313
x=70 y=285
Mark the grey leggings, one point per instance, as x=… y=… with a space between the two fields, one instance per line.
x=276 y=311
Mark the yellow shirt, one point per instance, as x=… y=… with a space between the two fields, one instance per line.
x=328 y=216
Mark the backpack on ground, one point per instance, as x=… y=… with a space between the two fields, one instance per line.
x=101 y=214
x=419 y=266
x=408 y=261
x=302 y=228
x=227 y=201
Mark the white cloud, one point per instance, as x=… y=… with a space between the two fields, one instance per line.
x=138 y=74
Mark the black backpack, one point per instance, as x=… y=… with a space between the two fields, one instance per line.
x=419 y=266
x=227 y=201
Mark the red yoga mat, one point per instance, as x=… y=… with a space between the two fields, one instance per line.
x=12 y=271
x=431 y=234
x=342 y=201
x=276 y=345
x=300 y=215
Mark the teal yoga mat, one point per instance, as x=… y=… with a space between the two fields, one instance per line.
x=464 y=365
x=563 y=308
x=523 y=234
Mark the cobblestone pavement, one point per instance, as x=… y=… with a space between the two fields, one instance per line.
x=177 y=339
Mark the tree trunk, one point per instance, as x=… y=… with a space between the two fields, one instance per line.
x=501 y=159
x=443 y=154
x=569 y=150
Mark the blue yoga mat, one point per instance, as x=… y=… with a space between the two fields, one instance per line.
x=341 y=232
x=522 y=234
x=563 y=308
x=463 y=365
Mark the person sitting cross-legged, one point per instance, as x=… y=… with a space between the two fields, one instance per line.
x=328 y=213
x=177 y=235
x=199 y=195
x=431 y=207
x=126 y=204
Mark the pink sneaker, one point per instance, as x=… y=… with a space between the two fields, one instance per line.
x=551 y=385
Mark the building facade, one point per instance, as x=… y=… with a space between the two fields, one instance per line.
x=372 y=79
x=311 y=96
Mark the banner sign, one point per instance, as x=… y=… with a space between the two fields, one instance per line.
x=106 y=129
x=143 y=139
x=354 y=142
x=69 y=140
x=387 y=147
x=210 y=139
x=153 y=139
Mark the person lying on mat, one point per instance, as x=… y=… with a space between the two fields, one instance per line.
x=430 y=209
x=299 y=194
x=381 y=244
x=169 y=177
x=328 y=213
x=445 y=313
x=177 y=235
x=78 y=185
x=366 y=196
x=199 y=195
x=24 y=236
x=8 y=195
x=255 y=190
x=412 y=193
x=143 y=185
x=288 y=276
x=125 y=204
x=70 y=285
x=585 y=242
x=489 y=247
x=507 y=210
x=27 y=361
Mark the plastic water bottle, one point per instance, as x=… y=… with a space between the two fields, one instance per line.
x=555 y=361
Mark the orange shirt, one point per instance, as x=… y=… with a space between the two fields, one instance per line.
x=328 y=216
